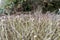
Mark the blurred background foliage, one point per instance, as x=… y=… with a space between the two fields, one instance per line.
x=29 y=5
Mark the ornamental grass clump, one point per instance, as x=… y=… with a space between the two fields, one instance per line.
x=30 y=27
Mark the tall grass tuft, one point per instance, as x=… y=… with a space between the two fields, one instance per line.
x=30 y=27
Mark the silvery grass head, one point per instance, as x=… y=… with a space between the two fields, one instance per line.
x=30 y=27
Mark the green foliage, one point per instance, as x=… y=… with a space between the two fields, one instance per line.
x=27 y=5
x=51 y=6
x=1 y=11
